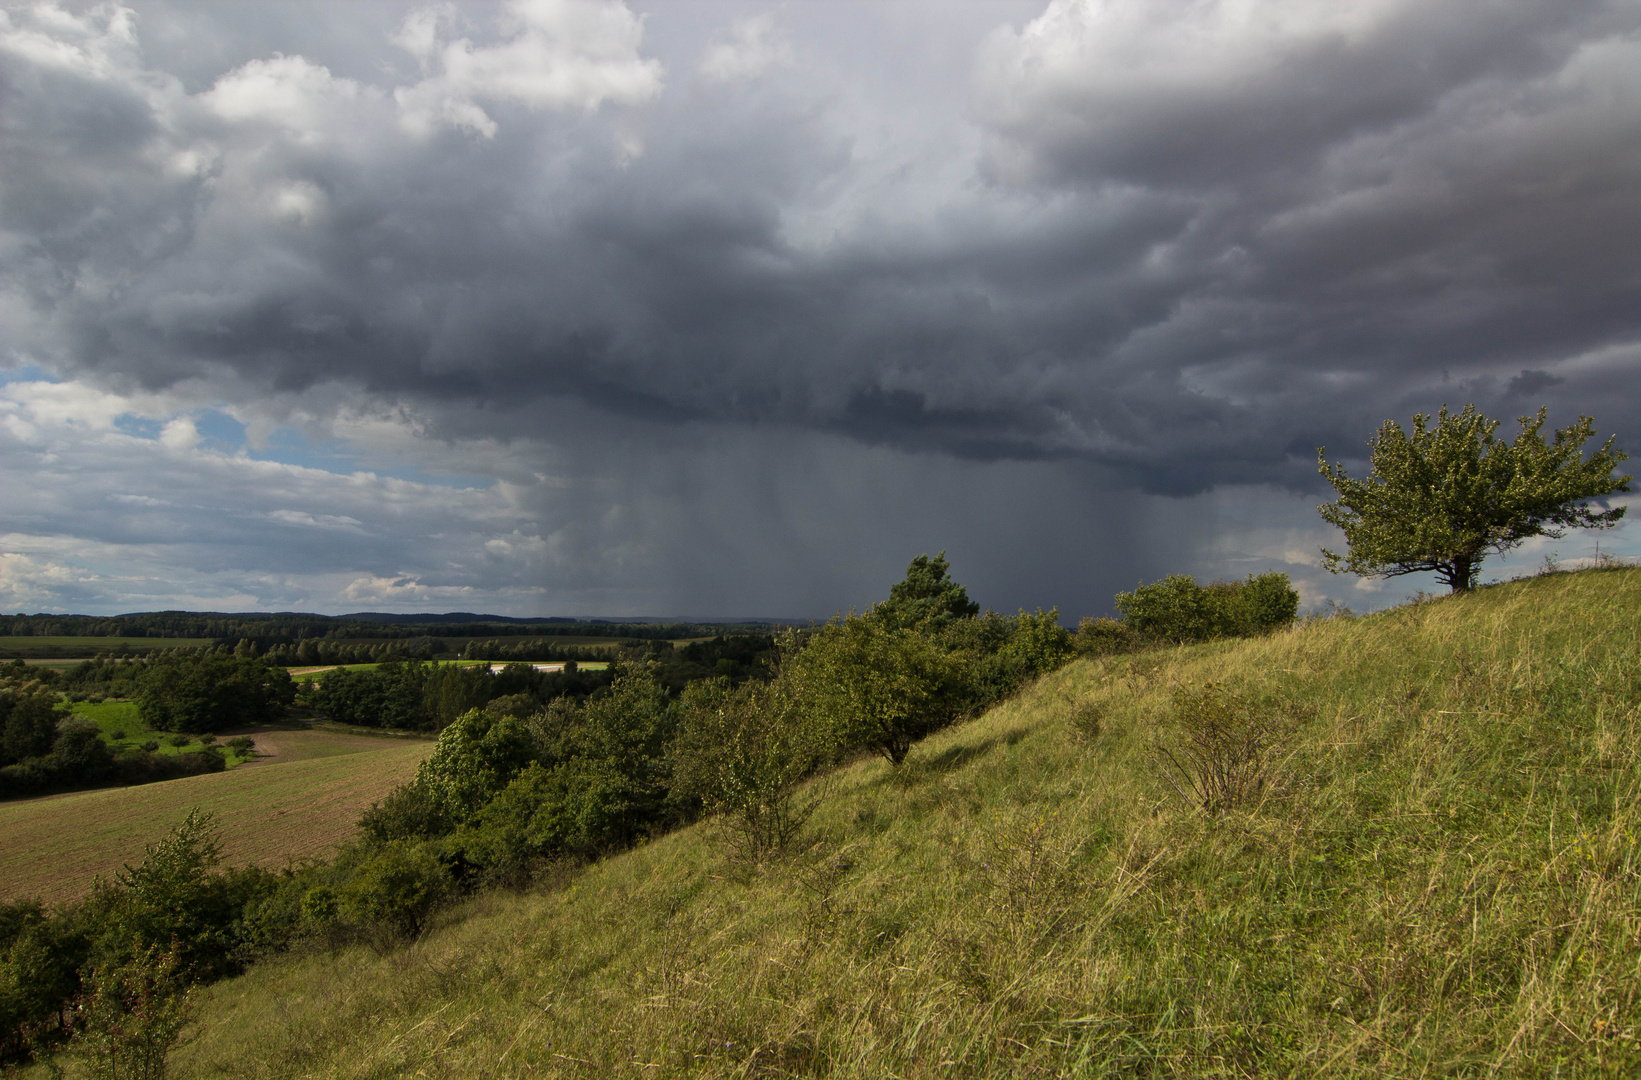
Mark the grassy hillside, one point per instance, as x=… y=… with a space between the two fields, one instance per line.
x=299 y=800
x=1440 y=877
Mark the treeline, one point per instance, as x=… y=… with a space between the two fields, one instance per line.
x=44 y=749
x=417 y=696
x=536 y=769
x=266 y=631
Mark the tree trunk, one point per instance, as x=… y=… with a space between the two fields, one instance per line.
x=1462 y=572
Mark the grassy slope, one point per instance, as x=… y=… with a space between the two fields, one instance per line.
x=299 y=808
x=1447 y=885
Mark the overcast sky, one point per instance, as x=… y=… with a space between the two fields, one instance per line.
x=560 y=307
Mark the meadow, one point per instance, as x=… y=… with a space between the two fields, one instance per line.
x=299 y=800
x=122 y=729
x=1431 y=867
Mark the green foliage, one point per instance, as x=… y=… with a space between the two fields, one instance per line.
x=395 y=889
x=28 y=724
x=173 y=899
x=1038 y=644
x=1103 y=637
x=476 y=757
x=863 y=683
x=1442 y=499
x=1174 y=609
x=37 y=974
x=743 y=752
x=202 y=694
x=926 y=597
x=425 y=697
x=1178 y=610
x=134 y=1014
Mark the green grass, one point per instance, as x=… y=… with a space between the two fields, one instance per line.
x=1441 y=879
x=119 y=716
x=69 y=646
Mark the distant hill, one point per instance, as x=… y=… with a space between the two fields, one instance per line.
x=267 y=629
x=463 y=617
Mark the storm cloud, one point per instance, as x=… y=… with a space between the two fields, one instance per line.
x=570 y=306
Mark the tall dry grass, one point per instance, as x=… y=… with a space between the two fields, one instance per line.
x=1439 y=877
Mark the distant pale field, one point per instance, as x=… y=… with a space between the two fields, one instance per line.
x=301 y=801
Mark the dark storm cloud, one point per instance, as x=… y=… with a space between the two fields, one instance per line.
x=1201 y=233
x=1106 y=245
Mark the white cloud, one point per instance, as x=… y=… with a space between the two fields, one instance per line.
x=97 y=519
x=97 y=45
x=180 y=434
x=562 y=55
x=290 y=92
x=753 y=47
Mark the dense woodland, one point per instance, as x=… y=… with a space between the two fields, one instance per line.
x=532 y=769
x=263 y=632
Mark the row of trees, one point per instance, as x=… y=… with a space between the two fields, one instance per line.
x=265 y=631
x=417 y=696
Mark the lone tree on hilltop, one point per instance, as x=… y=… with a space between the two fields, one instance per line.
x=1444 y=498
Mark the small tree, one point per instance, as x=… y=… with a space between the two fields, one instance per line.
x=1444 y=498
x=927 y=596
x=133 y=1014
x=743 y=751
x=871 y=686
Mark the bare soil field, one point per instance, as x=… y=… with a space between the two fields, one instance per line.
x=300 y=801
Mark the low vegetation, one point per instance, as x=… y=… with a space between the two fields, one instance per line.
x=933 y=843
x=1436 y=872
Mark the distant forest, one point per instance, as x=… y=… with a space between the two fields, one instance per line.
x=291 y=628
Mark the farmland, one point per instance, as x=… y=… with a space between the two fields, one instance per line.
x=300 y=799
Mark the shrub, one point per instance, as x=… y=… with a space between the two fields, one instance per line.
x=1038 y=645
x=79 y=756
x=743 y=752
x=1178 y=610
x=1102 y=637
x=860 y=684
x=319 y=904
x=151 y=746
x=1225 y=758
x=396 y=889
x=134 y=1013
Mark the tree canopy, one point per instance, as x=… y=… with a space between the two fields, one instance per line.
x=1445 y=497
x=927 y=595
